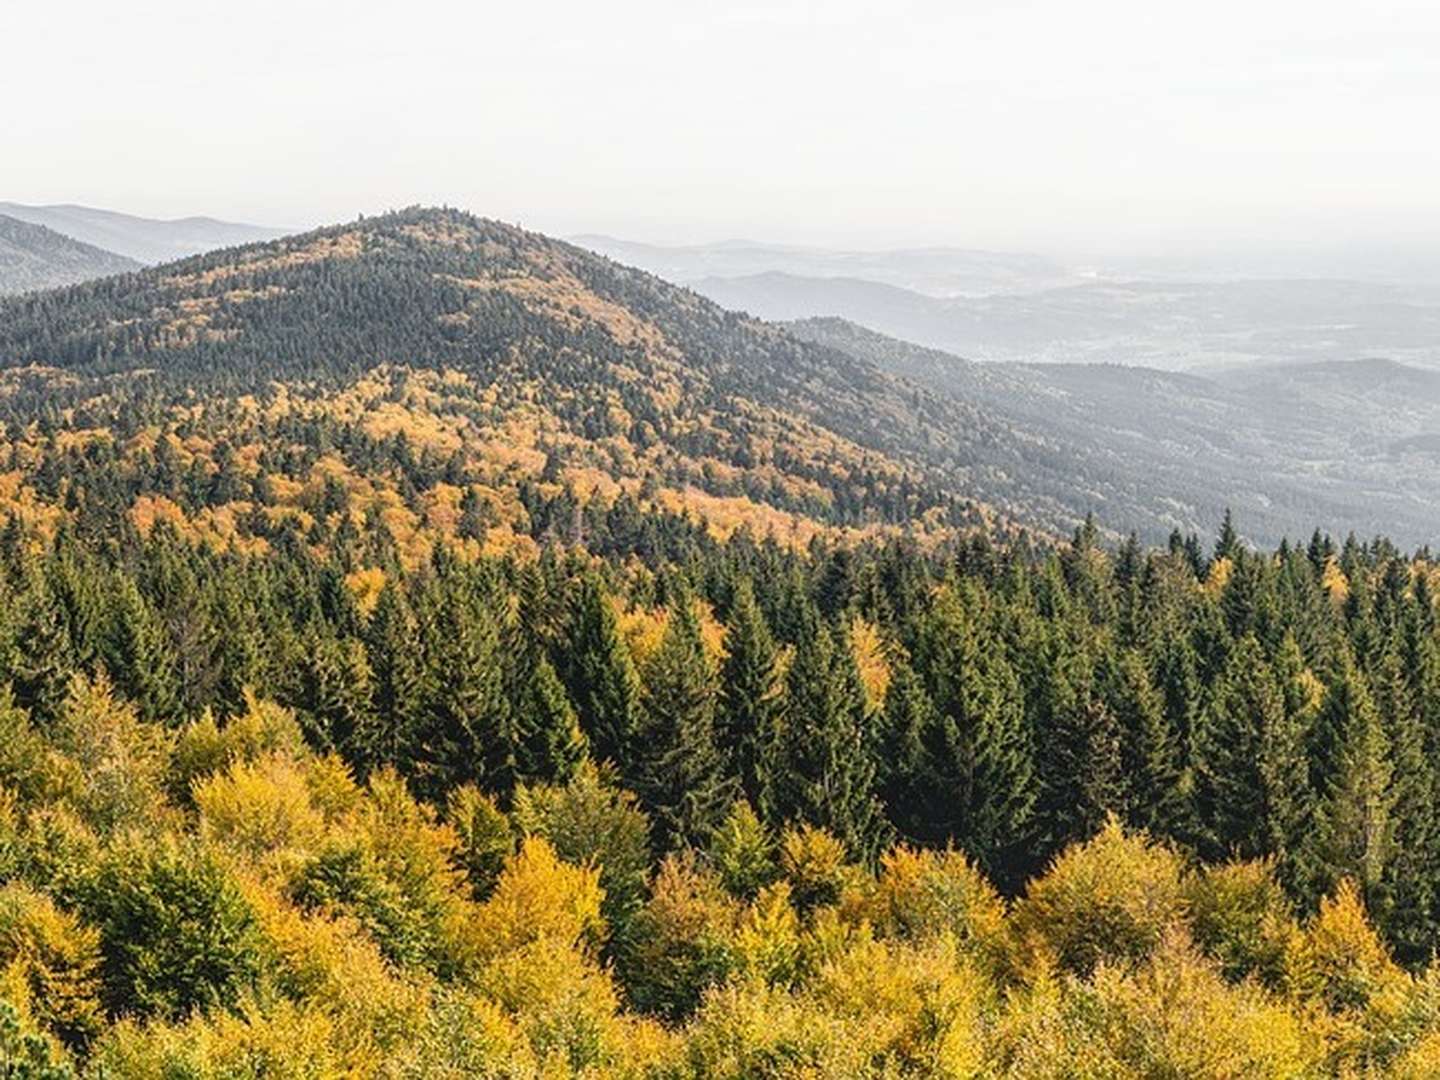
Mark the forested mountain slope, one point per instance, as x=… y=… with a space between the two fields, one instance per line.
x=498 y=355
x=430 y=650
x=1349 y=444
x=34 y=257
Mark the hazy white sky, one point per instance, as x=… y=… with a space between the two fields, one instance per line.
x=1048 y=124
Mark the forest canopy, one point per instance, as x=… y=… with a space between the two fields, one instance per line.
x=429 y=651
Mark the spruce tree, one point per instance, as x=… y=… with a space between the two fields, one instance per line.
x=392 y=643
x=819 y=772
x=980 y=760
x=680 y=771
x=140 y=658
x=1251 y=777
x=1149 y=751
x=1355 y=832
x=1409 y=880
x=750 y=690
x=546 y=743
x=463 y=734
x=336 y=692
x=601 y=675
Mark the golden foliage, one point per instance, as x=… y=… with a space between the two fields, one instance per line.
x=1334 y=582
x=1111 y=899
x=872 y=660
x=366 y=585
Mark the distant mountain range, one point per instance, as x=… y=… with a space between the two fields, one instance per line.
x=1173 y=314
x=144 y=240
x=1171 y=325
x=34 y=257
x=1352 y=443
x=931 y=271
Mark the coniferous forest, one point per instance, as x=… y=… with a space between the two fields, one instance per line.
x=584 y=684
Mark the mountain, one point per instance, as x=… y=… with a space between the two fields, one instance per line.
x=34 y=257
x=143 y=239
x=434 y=359
x=931 y=271
x=1173 y=325
x=1285 y=446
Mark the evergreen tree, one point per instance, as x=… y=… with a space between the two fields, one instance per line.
x=818 y=771
x=681 y=773
x=546 y=743
x=336 y=693
x=1409 y=878
x=979 y=759
x=750 y=690
x=396 y=718
x=1355 y=824
x=1251 y=778
x=1154 y=798
x=140 y=658
x=601 y=675
x=463 y=738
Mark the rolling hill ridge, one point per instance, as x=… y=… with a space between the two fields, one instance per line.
x=484 y=363
x=34 y=257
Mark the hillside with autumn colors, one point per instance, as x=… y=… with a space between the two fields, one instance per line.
x=447 y=372
x=428 y=650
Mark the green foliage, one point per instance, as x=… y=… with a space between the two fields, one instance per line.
x=743 y=852
x=25 y=1055
x=176 y=931
x=486 y=839
x=682 y=776
x=819 y=771
x=591 y=822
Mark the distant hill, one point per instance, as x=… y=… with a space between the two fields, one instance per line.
x=34 y=257
x=143 y=239
x=1172 y=325
x=931 y=271
x=1285 y=446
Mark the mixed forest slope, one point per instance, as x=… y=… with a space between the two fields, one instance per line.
x=1349 y=444
x=34 y=257
x=495 y=356
x=429 y=650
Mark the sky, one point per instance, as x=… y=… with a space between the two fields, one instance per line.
x=1049 y=125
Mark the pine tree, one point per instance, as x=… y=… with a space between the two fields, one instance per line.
x=1409 y=883
x=1179 y=686
x=980 y=760
x=682 y=780
x=1227 y=546
x=1355 y=824
x=912 y=745
x=43 y=660
x=750 y=690
x=601 y=676
x=336 y=693
x=819 y=772
x=1078 y=747
x=392 y=642
x=464 y=731
x=546 y=743
x=1149 y=752
x=140 y=659
x=1251 y=777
